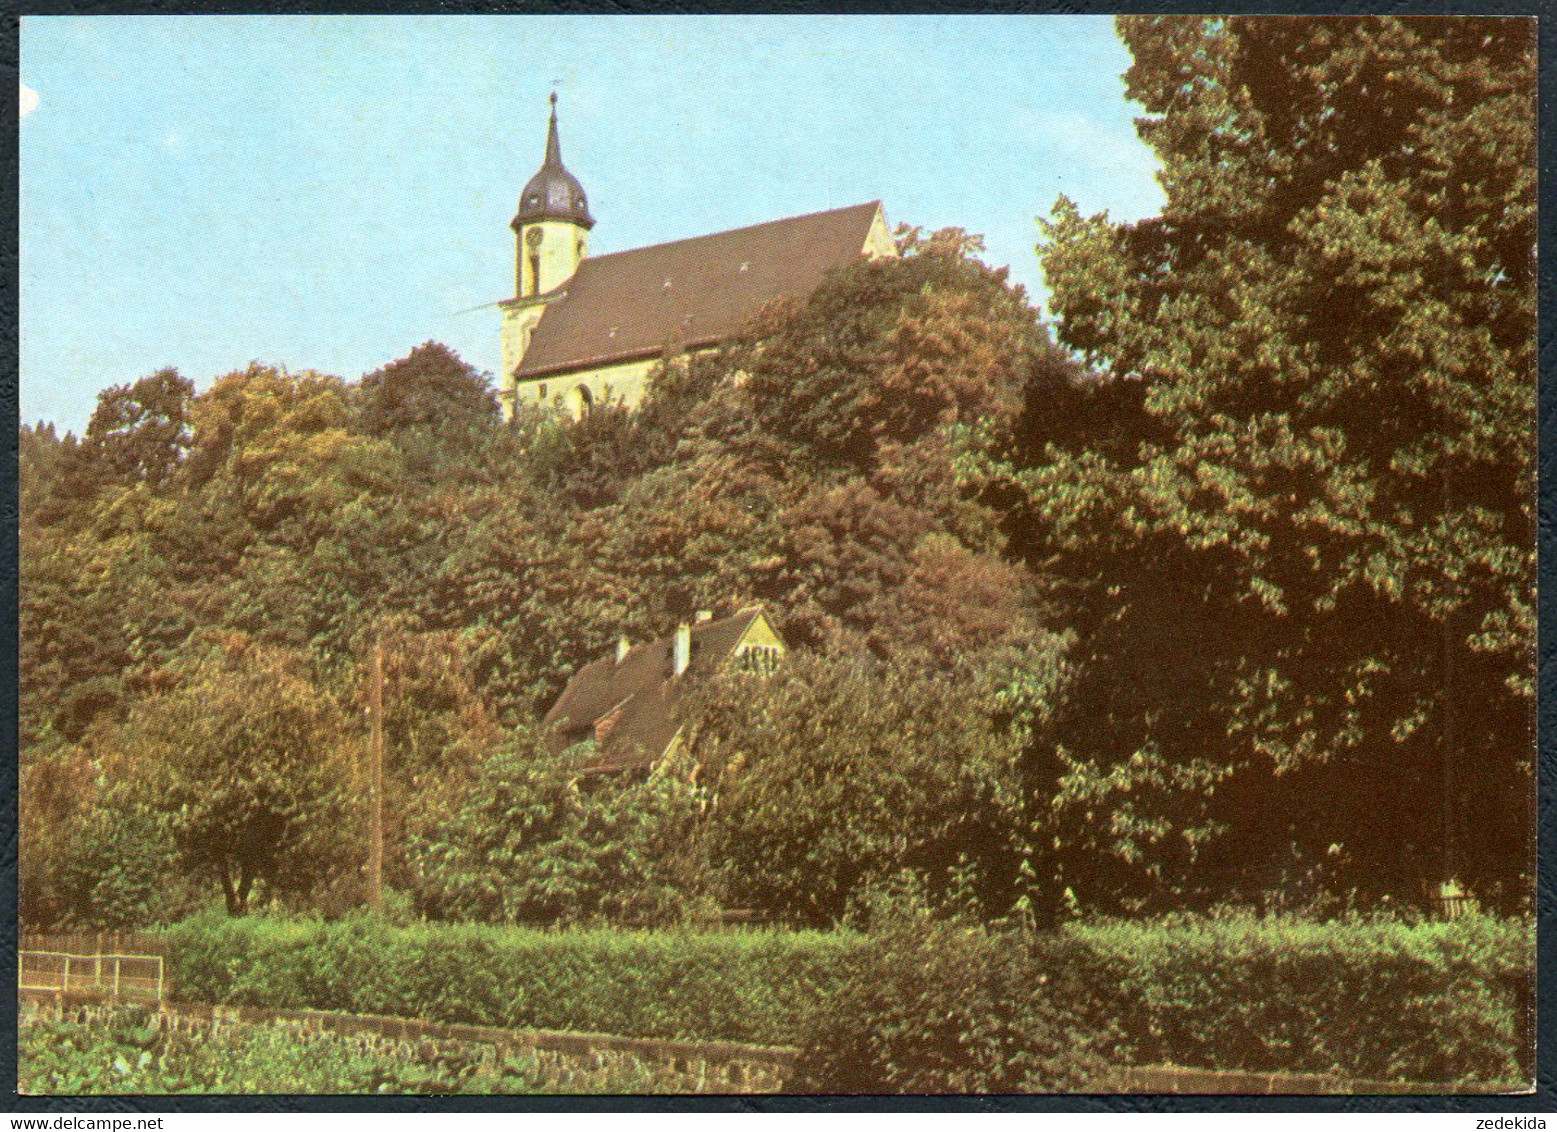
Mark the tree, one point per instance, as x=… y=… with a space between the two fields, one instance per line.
x=54 y=789
x=534 y=599
x=833 y=776
x=954 y=610
x=140 y=432
x=1306 y=579
x=246 y=762
x=430 y=386
x=886 y=353
x=585 y=464
x=57 y=477
x=116 y=867
x=535 y=842
x=281 y=448
x=72 y=653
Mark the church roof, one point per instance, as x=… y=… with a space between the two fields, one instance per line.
x=637 y=695
x=692 y=293
x=553 y=193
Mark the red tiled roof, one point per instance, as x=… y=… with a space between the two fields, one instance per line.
x=639 y=694
x=696 y=292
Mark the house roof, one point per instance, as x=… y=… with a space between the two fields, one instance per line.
x=696 y=292
x=640 y=694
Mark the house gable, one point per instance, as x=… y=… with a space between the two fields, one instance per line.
x=760 y=646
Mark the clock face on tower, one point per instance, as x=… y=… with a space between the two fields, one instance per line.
x=533 y=237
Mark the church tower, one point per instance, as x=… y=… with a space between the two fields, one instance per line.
x=551 y=238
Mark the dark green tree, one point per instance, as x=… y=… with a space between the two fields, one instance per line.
x=430 y=386
x=831 y=777
x=141 y=431
x=536 y=841
x=248 y=763
x=438 y=731
x=1301 y=557
x=116 y=869
x=884 y=354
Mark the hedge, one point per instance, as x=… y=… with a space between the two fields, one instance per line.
x=1429 y=1002
x=750 y=986
x=1369 y=999
x=943 y=1007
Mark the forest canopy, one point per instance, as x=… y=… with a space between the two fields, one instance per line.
x=1220 y=588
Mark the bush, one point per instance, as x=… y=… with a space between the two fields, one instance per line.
x=942 y=1007
x=927 y=1006
x=748 y=986
x=1367 y=999
x=934 y=1008
x=527 y=845
x=831 y=776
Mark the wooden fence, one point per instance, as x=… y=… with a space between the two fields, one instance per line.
x=119 y=977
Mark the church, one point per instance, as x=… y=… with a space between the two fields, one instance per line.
x=581 y=332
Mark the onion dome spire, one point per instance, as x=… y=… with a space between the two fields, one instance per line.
x=553 y=193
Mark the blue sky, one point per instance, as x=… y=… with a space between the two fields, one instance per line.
x=326 y=192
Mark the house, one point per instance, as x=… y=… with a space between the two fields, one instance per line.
x=628 y=702
x=579 y=331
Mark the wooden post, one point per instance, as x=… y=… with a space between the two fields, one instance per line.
x=376 y=837
x=116 y=978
